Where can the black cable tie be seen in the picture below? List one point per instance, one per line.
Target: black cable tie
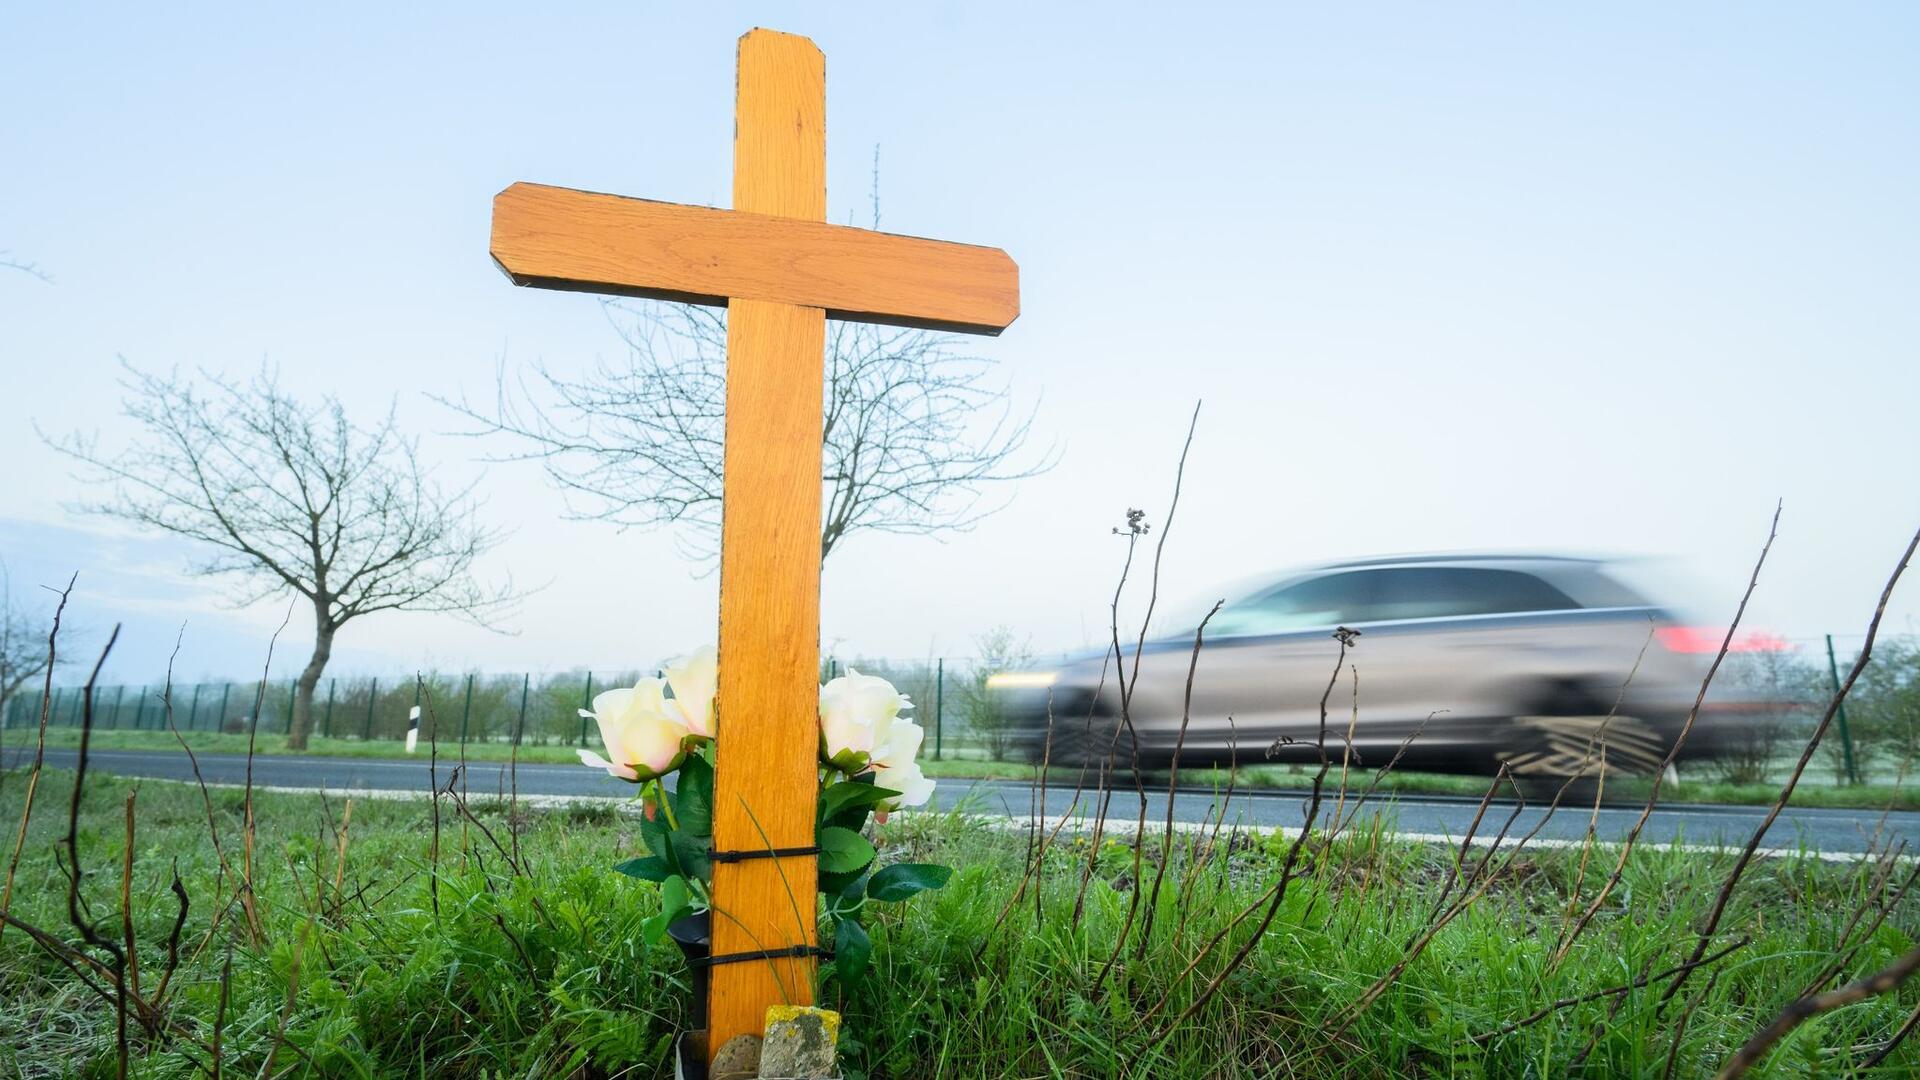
(762, 954)
(762, 853)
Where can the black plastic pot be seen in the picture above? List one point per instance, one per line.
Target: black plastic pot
(694, 935)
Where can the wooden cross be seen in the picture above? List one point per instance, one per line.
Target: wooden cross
(781, 272)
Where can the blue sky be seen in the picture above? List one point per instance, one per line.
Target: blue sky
(1507, 276)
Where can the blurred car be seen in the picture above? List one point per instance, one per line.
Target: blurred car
(1463, 662)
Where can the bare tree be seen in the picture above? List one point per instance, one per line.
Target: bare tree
(23, 644)
(997, 650)
(913, 433)
(292, 497)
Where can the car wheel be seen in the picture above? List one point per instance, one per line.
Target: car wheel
(1569, 739)
(1080, 745)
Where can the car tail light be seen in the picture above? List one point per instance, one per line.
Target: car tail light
(1707, 639)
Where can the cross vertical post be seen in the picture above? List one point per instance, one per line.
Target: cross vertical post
(765, 771)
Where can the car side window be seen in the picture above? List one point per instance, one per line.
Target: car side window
(1433, 592)
(1329, 600)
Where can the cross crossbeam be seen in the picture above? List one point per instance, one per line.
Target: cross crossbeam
(558, 238)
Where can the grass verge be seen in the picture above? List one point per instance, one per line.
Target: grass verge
(378, 957)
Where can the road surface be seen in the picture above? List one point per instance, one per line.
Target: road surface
(1831, 831)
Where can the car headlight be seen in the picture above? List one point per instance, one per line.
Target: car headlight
(1021, 680)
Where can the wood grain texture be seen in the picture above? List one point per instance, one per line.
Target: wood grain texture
(559, 238)
(766, 777)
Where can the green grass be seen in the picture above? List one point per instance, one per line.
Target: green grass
(545, 974)
(1623, 789)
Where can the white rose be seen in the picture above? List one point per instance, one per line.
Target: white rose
(642, 734)
(856, 717)
(694, 679)
(895, 767)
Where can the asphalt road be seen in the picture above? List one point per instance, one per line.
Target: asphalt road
(1831, 831)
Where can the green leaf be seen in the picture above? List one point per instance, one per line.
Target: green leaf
(693, 797)
(832, 884)
(659, 839)
(648, 868)
(675, 898)
(845, 892)
(843, 850)
(851, 948)
(901, 880)
(848, 794)
(691, 856)
(653, 928)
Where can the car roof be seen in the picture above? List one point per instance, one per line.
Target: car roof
(1442, 558)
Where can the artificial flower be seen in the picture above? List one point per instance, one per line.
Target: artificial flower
(856, 717)
(895, 767)
(694, 679)
(644, 737)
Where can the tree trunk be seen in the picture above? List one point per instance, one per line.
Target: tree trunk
(302, 724)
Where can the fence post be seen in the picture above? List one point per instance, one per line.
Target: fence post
(939, 702)
(1846, 736)
(220, 722)
(193, 710)
(373, 693)
(466, 711)
(326, 725)
(140, 711)
(293, 694)
(520, 727)
(586, 702)
(118, 693)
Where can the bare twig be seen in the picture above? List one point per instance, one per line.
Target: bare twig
(39, 754)
(1132, 680)
(1612, 991)
(1173, 779)
(340, 855)
(1876, 900)
(1277, 893)
(1136, 526)
(1732, 881)
(433, 786)
(1883, 981)
(1653, 797)
(255, 925)
(1893, 1043)
(220, 1011)
(1680, 1028)
(76, 872)
(179, 890)
(126, 897)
